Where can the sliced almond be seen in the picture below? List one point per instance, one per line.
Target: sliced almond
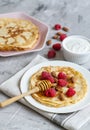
(55, 37)
(53, 73)
(49, 42)
(62, 97)
(59, 33)
(65, 29)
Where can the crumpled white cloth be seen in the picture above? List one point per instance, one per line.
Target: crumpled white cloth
(72, 121)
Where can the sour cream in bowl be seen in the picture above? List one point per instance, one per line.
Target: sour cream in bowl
(76, 49)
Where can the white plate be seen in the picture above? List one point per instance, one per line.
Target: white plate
(81, 104)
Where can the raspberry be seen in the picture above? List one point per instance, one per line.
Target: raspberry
(51, 54)
(57, 26)
(51, 79)
(62, 75)
(70, 92)
(62, 82)
(47, 76)
(57, 46)
(51, 92)
(63, 36)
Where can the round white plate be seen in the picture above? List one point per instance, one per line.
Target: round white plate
(81, 104)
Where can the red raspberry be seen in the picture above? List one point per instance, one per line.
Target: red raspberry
(51, 92)
(62, 82)
(57, 26)
(63, 36)
(57, 46)
(51, 79)
(47, 76)
(70, 92)
(51, 54)
(62, 75)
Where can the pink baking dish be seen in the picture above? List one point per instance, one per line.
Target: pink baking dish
(43, 30)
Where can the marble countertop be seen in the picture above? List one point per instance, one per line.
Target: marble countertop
(70, 13)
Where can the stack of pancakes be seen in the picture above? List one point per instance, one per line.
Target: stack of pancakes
(17, 34)
(75, 79)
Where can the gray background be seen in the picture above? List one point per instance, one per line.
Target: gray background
(74, 14)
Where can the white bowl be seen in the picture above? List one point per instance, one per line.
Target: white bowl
(80, 55)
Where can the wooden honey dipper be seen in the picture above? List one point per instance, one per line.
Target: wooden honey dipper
(41, 86)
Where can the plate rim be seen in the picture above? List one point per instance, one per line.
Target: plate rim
(55, 109)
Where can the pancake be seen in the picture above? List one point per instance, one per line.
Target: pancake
(17, 34)
(74, 80)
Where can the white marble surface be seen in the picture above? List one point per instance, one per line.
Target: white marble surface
(72, 13)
